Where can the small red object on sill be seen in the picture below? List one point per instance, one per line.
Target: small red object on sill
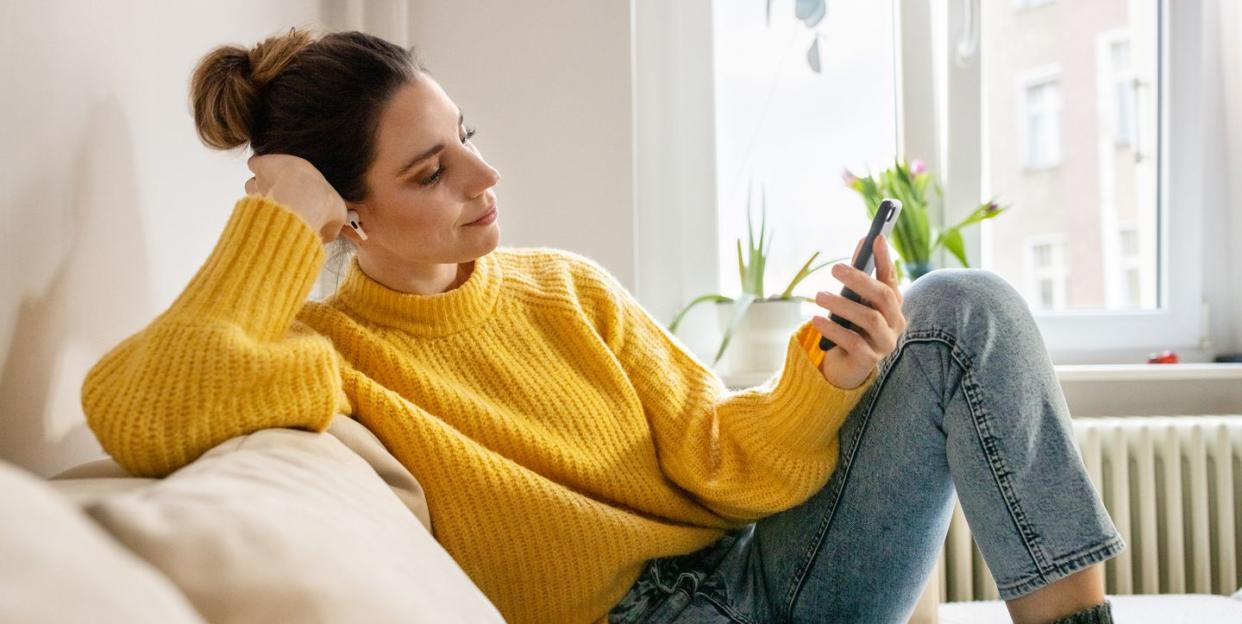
(1164, 357)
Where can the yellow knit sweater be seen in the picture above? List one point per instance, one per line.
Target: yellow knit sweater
(562, 435)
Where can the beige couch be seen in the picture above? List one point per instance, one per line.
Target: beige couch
(279, 525)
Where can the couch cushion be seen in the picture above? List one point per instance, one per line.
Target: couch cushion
(57, 566)
(289, 525)
(368, 446)
(86, 483)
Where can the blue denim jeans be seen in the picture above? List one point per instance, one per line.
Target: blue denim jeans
(967, 403)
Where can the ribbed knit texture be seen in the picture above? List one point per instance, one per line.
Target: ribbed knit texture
(562, 435)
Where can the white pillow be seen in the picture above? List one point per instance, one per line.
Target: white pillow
(57, 566)
(292, 526)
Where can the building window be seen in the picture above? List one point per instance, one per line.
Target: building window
(1046, 273)
(1124, 85)
(1131, 266)
(1043, 124)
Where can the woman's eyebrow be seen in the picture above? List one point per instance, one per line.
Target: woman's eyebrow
(429, 153)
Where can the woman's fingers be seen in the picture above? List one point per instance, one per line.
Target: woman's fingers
(885, 270)
(877, 294)
(875, 327)
(866, 317)
(850, 341)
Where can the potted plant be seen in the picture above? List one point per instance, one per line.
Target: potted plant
(761, 324)
(913, 236)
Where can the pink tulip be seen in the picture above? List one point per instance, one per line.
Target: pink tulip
(849, 178)
(917, 166)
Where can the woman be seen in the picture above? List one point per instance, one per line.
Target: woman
(579, 464)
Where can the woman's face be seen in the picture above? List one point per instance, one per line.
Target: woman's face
(427, 184)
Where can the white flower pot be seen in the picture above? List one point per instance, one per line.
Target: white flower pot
(758, 346)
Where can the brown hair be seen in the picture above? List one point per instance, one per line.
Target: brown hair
(316, 97)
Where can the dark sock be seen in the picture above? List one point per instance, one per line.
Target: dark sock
(1099, 614)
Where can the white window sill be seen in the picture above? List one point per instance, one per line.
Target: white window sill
(1130, 389)
(1147, 372)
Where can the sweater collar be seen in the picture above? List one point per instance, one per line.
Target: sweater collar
(425, 315)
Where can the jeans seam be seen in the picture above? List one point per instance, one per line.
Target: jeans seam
(981, 418)
(1065, 565)
(727, 610)
(785, 612)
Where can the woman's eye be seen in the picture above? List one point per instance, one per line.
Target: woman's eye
(433, 178)
(439, 173)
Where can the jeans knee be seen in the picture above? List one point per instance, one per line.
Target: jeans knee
(951, 298)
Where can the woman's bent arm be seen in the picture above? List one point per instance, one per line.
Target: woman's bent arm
(227, 357)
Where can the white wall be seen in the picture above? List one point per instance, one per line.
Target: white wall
(108, 202)
(548, 85)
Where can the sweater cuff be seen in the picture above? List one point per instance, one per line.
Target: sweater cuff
(810, 409)
(259, 273)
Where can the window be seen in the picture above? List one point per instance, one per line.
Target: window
(1046, 272)
(793, 130)
(1123, 92)
(1130, 280)
(1082, 131)
(1042, 115)
(986, 89)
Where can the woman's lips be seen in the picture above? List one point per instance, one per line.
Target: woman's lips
(485, 219)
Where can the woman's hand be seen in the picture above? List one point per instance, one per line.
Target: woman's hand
(298, 185)
(857, 351)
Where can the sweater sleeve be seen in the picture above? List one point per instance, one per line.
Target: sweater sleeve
(744, 455)
(227, 357)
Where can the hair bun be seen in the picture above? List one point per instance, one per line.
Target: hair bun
(227, 83)
(272, 55)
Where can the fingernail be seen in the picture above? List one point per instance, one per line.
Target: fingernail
(838, 270)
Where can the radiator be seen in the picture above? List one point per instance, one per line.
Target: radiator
(1173, 486)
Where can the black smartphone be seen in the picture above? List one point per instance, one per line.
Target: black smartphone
(882, 223)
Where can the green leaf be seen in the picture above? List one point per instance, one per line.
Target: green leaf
(952, 240)
(804, 272)
(672, 327)
(982, 213)
(741, 264)
(750, 231)
(740, 306)
(763, 216)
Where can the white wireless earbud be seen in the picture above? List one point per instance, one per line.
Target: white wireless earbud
(356, 223)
